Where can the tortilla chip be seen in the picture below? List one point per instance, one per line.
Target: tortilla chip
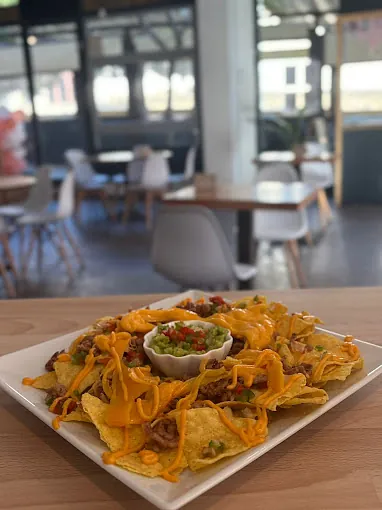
(271, 403)
(66, 373)
(308, 395)
(276, 310)
(78, 415)
(300, 327)
(133, 463)
(204, 425)
(112, 436)
(45, 381)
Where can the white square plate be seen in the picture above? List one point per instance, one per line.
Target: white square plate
(30, 362)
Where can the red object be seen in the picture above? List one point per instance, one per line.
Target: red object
(218, 300)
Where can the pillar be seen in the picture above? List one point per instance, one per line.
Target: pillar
(226, 50)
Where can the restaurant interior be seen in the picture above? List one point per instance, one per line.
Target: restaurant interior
(148, 146)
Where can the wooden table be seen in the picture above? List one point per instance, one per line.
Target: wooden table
(292, 158)
(118, 157)
(244, 200)
(13, 186)
(334, 463)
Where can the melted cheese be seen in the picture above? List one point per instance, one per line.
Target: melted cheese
(64, 357)
(166, 474)
(28, 381)
(149, 457)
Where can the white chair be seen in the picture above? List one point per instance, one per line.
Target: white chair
(154, 182)
(39, 198)
(88, 182)
(189, 247)
(189, 167)
(7, 261)
(319, 174)
(284, 226)
(52, 227)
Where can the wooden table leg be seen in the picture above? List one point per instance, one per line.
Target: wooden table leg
(246, 245)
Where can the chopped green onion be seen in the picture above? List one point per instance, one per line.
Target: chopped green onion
(218, 446)
(49, 401)
(245, 396)
(79, 358)
(319, 348)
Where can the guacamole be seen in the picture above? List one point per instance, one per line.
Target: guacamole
(180, 339)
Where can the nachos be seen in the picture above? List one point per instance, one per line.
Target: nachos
(158, 426)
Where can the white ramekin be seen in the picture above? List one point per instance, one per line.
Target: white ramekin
(188, 365)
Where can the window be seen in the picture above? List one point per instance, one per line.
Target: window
(361, 87)
(326, 87)
(156, 88)
(14, 94)
(183, 86)
(55, 94)
(111, 91)
(283, 84)
(55, 58)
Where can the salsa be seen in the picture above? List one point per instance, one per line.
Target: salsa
(180, 339)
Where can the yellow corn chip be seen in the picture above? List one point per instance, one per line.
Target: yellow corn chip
(133, 463)
(45, 381)
(78, 415)
(204, 425)
(307, 395)
(66, 373)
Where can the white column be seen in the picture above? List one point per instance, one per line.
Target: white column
(227, 88)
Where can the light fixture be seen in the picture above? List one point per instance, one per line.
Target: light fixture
(309, 18)
(269, 21)
(320, 30)
(284, 45)
(330, 18)
(31, 40)
(102, 13)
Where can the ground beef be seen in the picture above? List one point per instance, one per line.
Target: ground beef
(98, 392)
(198, 404)
(296, 346)
(86, 344)
(206, 309)
(49, 364)
(214, 364)
(163, 436)
(303, 368)
(135, 356)
(260, 381)
(237, 346)
(216, 392)
(58, 390)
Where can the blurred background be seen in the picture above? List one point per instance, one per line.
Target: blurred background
(124, 124)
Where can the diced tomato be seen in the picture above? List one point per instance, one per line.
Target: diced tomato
(181, 337)
(217, 300)
(104, 361)
(239, 389)
(187, 331)
(200, 347)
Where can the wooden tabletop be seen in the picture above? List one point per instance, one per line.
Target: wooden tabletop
(114, 157)
(14, 182)
(265, 195)
(334, 463)
(291, 157)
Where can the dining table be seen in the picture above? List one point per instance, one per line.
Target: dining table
(121, 157)
(15, 187)
(333, 463)
(244, 200)
(294, 159)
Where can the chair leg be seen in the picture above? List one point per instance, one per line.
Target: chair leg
(9, 255)
(11, 291)
(324, 207)
(291, 267)
(295, 253)
(309, 239)
(29, 253)
(63, 253)
(80, 195)
(149, 201)
(21, 246)
(40, 249)
(130, 201)
(73, 244)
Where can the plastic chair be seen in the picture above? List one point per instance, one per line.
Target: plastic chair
(7, 261)
(52, 227)
(189, 248)
(154, 182)
(88, 182)
(319, 174)
(284, 226)
(39, 198)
